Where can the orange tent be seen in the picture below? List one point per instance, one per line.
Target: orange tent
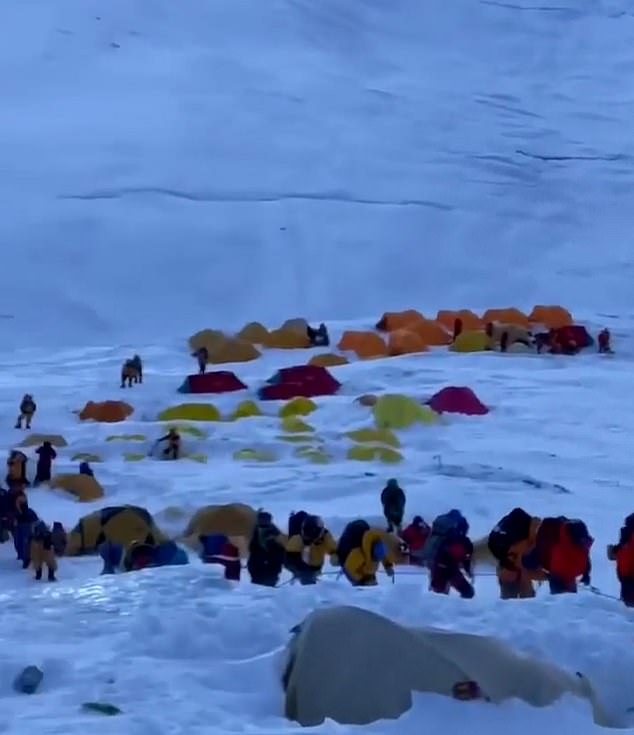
(471, 322)
(552, 317)
(392, 321)
(328, 359)
(509, 315)
(404, 342)
(108, 412)
(365, 345)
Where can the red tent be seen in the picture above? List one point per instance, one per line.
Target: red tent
(220, 381)
(457, 399)
(307, 381)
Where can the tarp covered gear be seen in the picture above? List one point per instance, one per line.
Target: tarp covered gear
(234, 520)
(365, 345)
(83, 486)
(575, 334)
(380, 664)
(217, 548)
(308, 381)
(191, 412)
(401, 412)
(120, 524)
(328, 359)
(509, 315)
(470, 320)
(34, 440)
(219, 381)
(471, 341)
(373, 453)
(108, 412)
(552, 317)
(457, 399)
(286, 339)
(405, 342)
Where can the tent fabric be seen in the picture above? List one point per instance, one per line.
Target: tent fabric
(306, 381)
(234, 520)
(457, 399)
(84, 487)
(245, 410)
(471, 341)
(470, 320)
(508, 315)
(107, 412)
(328, 359)
(551, 317)
(392, 321)
(286, 339)
(298, 407)
(254, 332)
(367, 399)
(191, 412)
(430, 331)
(118, 524)
(371, 435)
(401, 412)
(404, 342)
(409, 660)
(365, 345)
(576, 333)
(232, 349)
(295, 324)
(34, 440)
(219, 381)
(208, 339)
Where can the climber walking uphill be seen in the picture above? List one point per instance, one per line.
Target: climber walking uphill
(415, 536)
(202, 358)
(46, 454)
(393, 502)
(42, 551)
(512, 538)
(308, 545)
(28, 407)
(173, 449)
(623, 554)
(16, 470)
(561, 553)
(266, 551)
(448, 554)
(360, 551)
(132, 372)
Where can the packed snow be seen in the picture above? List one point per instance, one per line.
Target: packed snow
(174, 166)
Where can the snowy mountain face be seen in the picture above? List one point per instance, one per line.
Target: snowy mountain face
(166, 167)
(226, 161)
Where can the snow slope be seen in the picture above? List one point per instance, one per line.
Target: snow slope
(223, 157)
(168, 167)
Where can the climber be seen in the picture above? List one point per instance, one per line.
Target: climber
(86, 469)
(512, 538)
(603, 341)
(217, 548)
(306, 551)
(28, 407)
(360, 551)
(202, 357)
(266, 551)
(129, 373)
(393, 502)
(24, 518)
(16, 470)
(623, 554)
(415, 536)
(46, 455)
(42, 551)
(137, 363)
(318, 337)
(448, 554)
(561, 553)
(173, 449)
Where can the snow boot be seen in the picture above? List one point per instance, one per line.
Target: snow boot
(38, 575)
(51, 576)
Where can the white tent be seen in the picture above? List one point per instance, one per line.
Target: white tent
(355, 667)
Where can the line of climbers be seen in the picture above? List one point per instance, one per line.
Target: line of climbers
(527, 549)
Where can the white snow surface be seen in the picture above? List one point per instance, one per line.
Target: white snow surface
(173, 166)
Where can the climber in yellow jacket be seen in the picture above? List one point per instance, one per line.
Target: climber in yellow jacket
(306, 551)
(361, 563)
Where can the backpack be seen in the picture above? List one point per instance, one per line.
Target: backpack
(350, 539)
(295, 522)
(578, 533)
(447, 525)
(511, 529)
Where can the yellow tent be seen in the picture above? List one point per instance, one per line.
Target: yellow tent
(245, 410)
(474, 341)
(254, 455)
(370, 453)
(126, 438)
(328, 359)
(85, 488)
(313, 455)
(86, 457)
(375, 436)
(191, 412)
(234, 520)
(298, 407)
(34, 440)
(401, 412)
(294, 425)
